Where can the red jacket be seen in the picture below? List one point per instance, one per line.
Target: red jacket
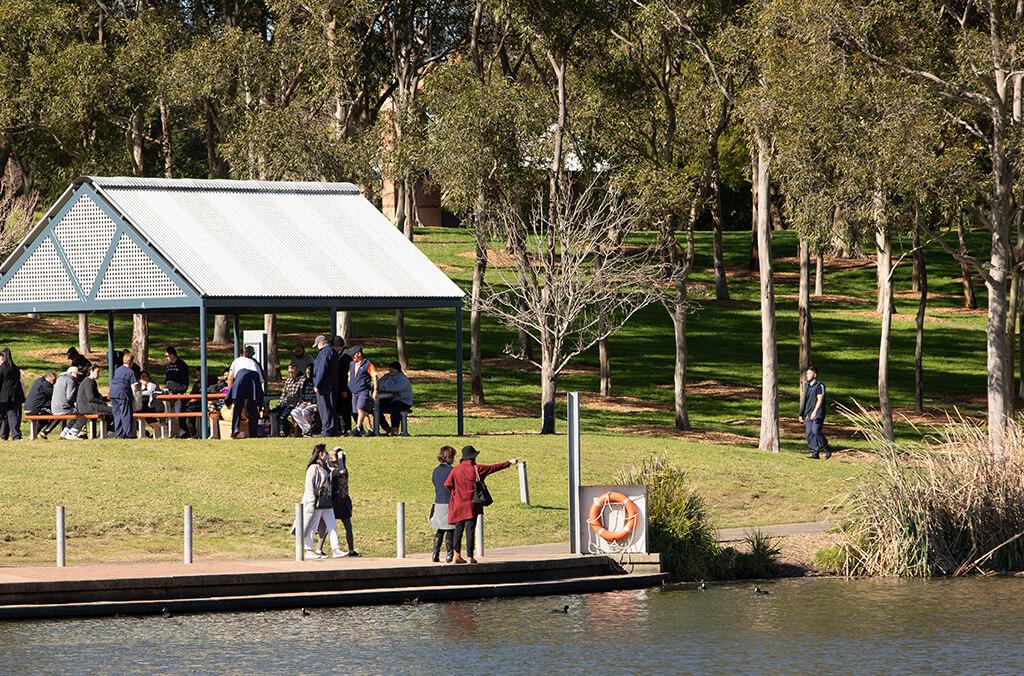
(460, 482)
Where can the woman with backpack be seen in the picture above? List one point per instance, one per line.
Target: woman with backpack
(469, 497)
(317, 505)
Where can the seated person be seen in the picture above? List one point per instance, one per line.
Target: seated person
(65, 393)
(291, 395)
(304, 413)
(395, 392)
(147, 392)
(40, 394)
(89, 400)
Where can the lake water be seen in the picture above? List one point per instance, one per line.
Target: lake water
(804, 626)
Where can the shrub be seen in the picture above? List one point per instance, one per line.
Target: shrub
(830, 560)
(678, 525)
(941, 508)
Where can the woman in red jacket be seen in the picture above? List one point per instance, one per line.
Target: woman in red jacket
(462, 511)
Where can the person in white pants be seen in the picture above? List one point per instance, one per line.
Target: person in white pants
(317, 505)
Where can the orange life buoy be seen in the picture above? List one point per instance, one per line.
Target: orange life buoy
(632, 514)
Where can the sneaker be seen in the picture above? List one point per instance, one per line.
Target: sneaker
(811, 456)
(339, 553)
(472, 560)
(310, 554)
(41, 435)
(353, 553)
(828, 454)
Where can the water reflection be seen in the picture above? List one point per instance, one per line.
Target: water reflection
(803, 626)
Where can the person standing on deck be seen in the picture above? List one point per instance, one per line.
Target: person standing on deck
(325, 384)
(123, 386)
(812, 414)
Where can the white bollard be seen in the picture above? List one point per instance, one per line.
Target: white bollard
(300, 531)
(60, 536)
(400, 529)
(524, 486)
(479, 548)
(187, 558)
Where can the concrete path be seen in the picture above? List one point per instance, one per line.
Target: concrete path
(779, 530)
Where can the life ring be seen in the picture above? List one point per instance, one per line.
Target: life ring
(632, 515)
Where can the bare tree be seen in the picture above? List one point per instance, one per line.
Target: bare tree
(553, 293)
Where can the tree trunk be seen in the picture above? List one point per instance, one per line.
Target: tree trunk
(83, 333)
(922, 288)
(1020, 343)
(605, 367)
(804, 305)
(691, 245)
(1011, 337)
(548, 382)
(885, 281)
(769, 436)
(1000, 261)
(678, 313)
(165, 137)
(273, 365)
(715, 185)
(403, 358)
(970, 300)
(819, 274)
(140, 340)
(344, 323)
(220, 330)
(479, 270)
(915, 281)
(754, 261)
(135, 138)
(775, 209)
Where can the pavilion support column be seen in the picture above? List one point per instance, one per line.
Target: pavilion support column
(458, 369)
(334, 322)
(236, 331)
(110, 344)
(204, 419)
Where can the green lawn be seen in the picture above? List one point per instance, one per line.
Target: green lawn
(124, 498)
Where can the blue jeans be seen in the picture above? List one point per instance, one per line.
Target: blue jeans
(816, 440)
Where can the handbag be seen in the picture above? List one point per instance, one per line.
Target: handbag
(323, 497)
(481, 496)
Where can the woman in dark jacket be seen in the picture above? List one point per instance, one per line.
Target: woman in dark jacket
(462, 511)
(443, 530)
(12, 396)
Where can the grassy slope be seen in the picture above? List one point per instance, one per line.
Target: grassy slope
(124, 498)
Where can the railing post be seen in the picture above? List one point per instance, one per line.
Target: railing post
(479, 548)
(524, 486)
(400, 530)
(61, 543)
(300, 531)
(188, 534)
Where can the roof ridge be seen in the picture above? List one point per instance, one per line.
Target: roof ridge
(219, 184)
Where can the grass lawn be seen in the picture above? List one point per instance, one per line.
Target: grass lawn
(124, 498)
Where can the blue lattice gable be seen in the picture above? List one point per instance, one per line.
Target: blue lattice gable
(88, 258)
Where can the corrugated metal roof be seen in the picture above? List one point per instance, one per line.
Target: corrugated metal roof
(270, 239)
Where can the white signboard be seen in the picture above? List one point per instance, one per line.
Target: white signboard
(613, 519)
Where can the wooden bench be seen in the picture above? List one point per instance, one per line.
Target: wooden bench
(141, 417)
(34, 419)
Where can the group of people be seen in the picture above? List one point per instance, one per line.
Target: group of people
(458, 501)
(75, 392)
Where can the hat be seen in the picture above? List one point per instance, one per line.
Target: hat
(319, 339)
(354, 349)
(468, 452)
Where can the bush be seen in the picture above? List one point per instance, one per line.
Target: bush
(943, 508)
(678, 526)
(830, 560)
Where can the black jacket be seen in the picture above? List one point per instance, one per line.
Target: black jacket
(176, 376)
(89, 399)
(11, 391)
(39, 396)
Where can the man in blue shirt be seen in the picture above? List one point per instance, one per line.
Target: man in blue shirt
(122, 396)
(325, 384)
(812, 414)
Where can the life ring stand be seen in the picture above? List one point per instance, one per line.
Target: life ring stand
(597, 510)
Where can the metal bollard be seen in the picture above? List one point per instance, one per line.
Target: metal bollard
(400, 529)
(300, 531)
(188, 534)
(479, 535)
(60, 536)
(524, 486)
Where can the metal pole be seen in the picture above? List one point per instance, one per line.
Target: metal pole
(573, 415)
(110, 345)
(479, 535)
(236, 332)
(188, 534)
(334, 322)
(400, 529)
(300, 533)
(204, 408)
(60, 536)
(458, 368)
(524, 486)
